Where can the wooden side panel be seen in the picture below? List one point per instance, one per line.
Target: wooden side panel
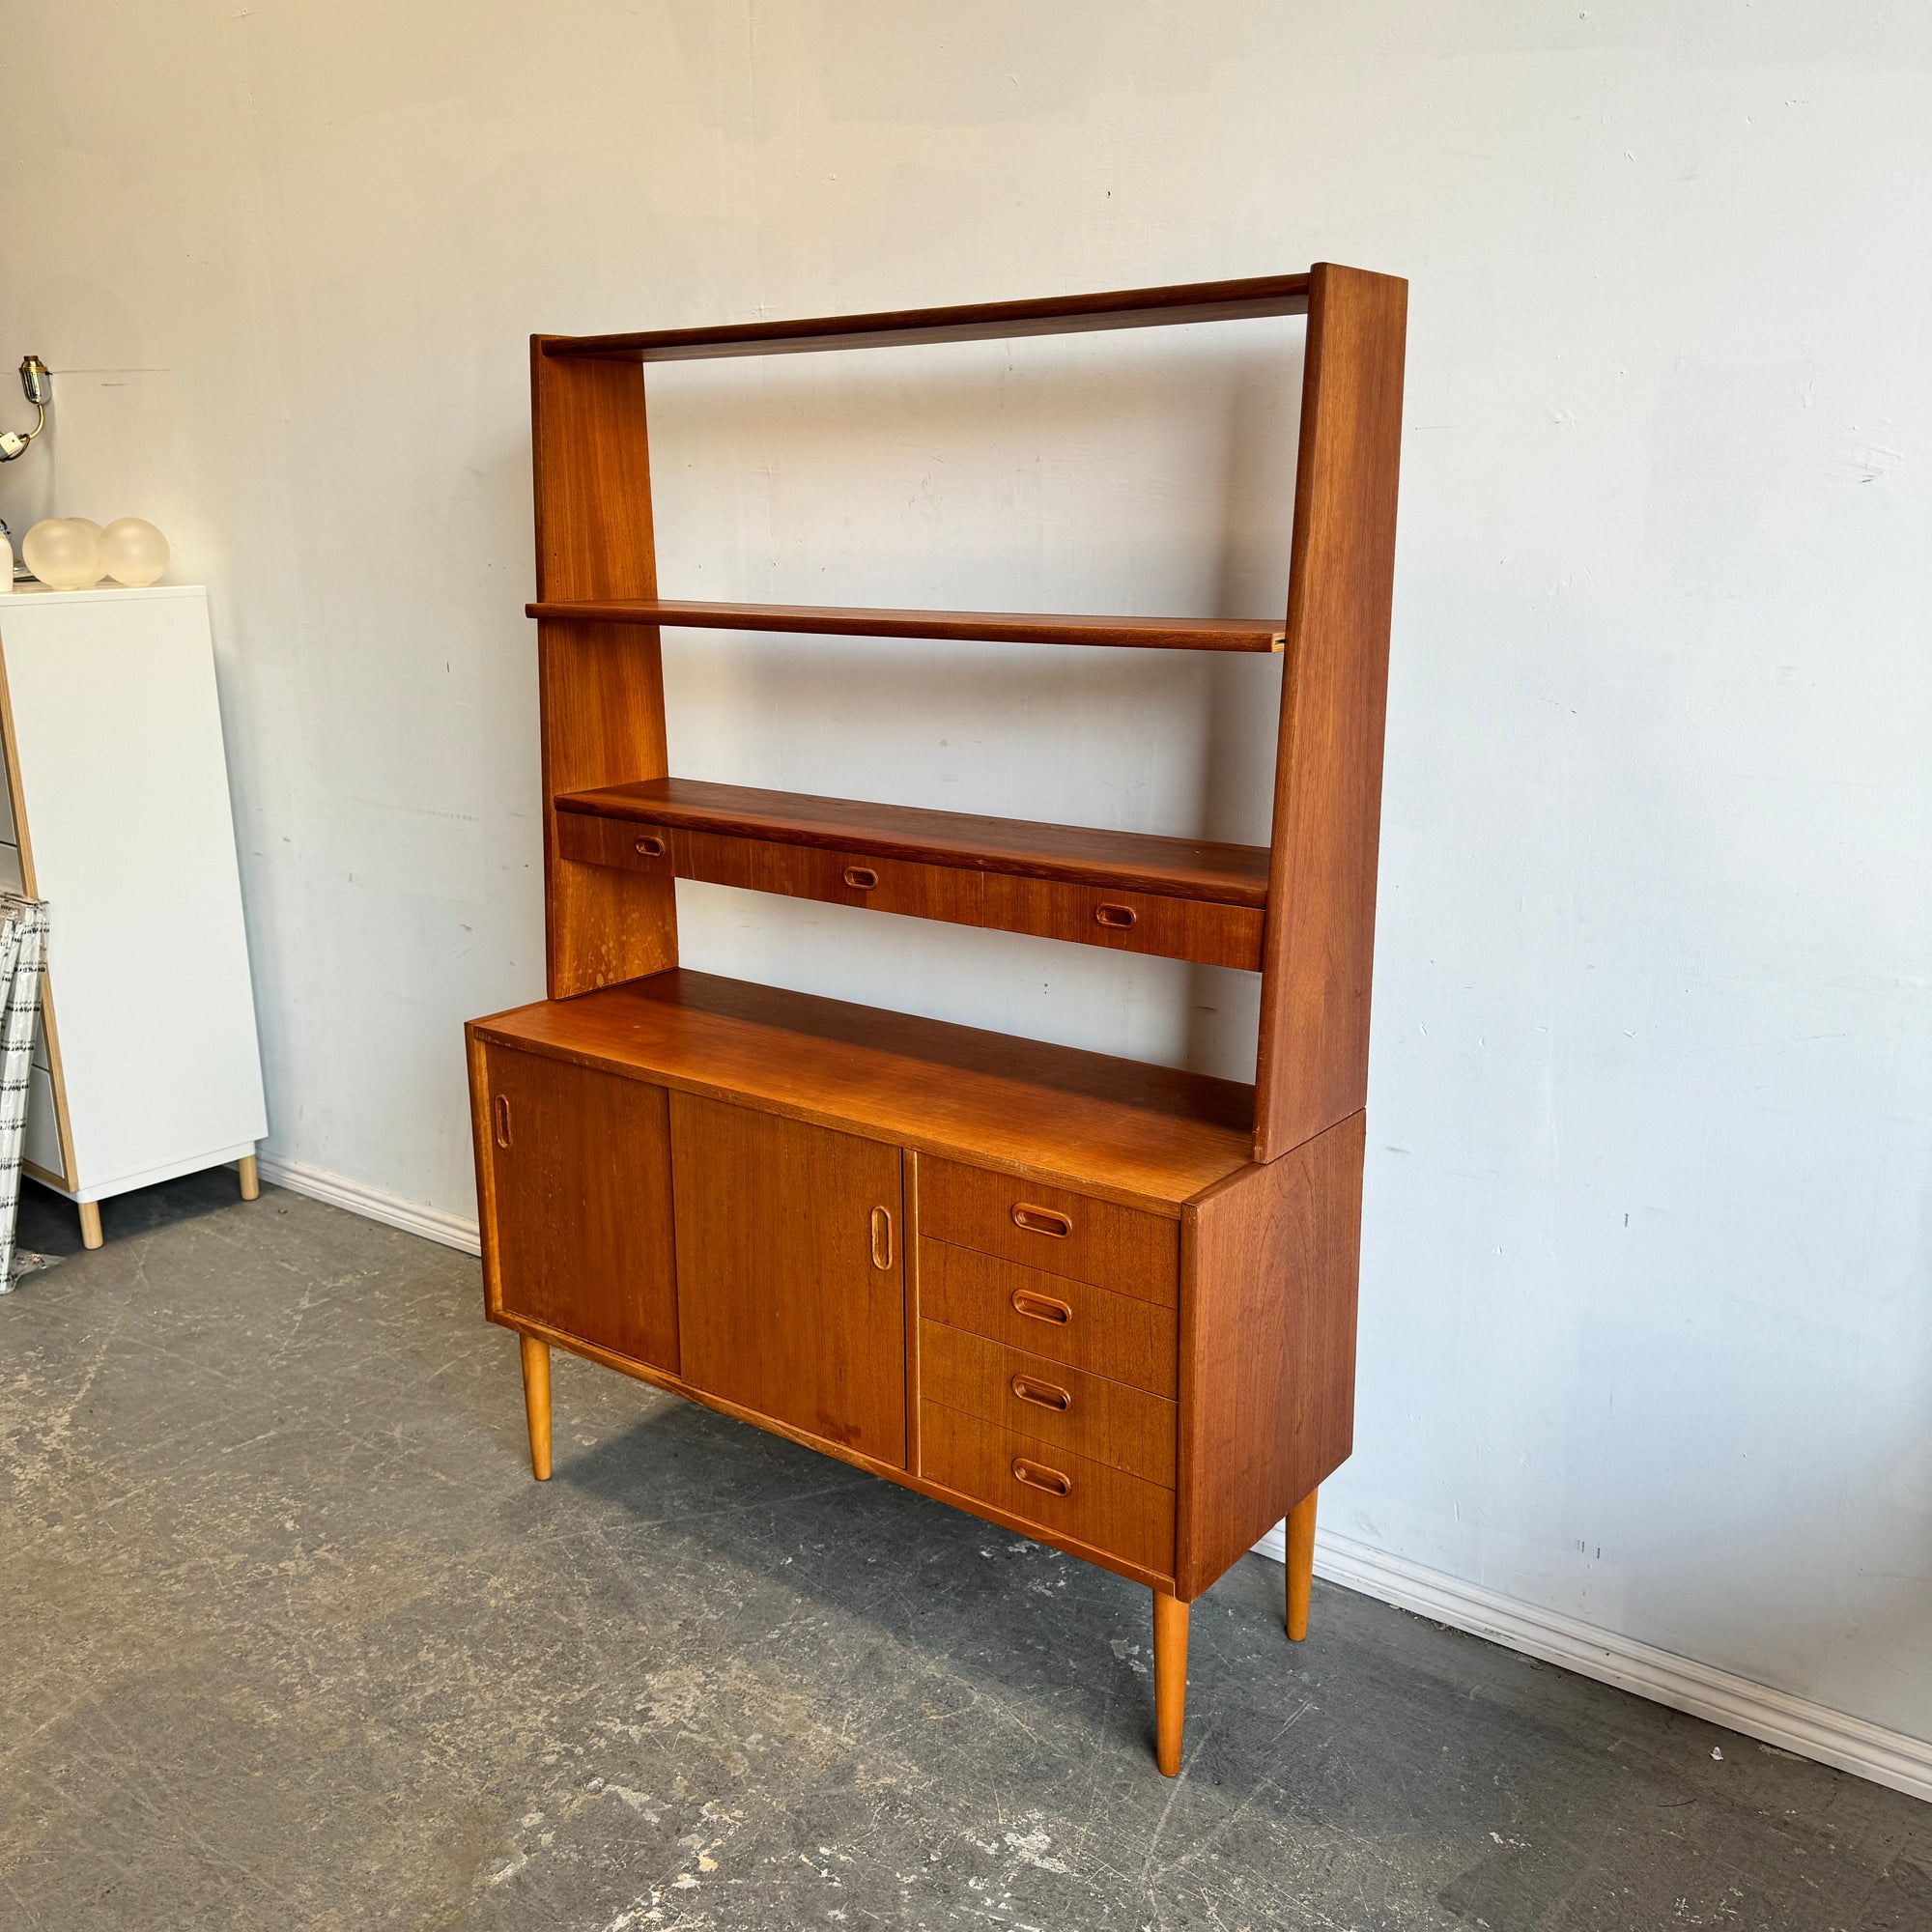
(790, 1251)
(601, 685)
(573, 1171)
(1268, 1346)
(1318, 944)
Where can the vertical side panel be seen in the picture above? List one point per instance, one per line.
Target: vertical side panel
(477, 1055)
(602, 685)
(1269, 1263)
(1318, 945)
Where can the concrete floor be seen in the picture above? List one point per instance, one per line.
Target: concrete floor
(289, 1638)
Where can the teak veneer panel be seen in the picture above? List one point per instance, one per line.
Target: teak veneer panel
(996, 626)
(1268, 1346)
(974, 322)
(1122, 921)
(1051, 1228)
(1195, 868)
(1120, 1130)
(601, 686)
(788, 1302)
(1312, 1059)
(574, 1240)
(1103, 1506)
(1104, 1421)
(1117, 1336)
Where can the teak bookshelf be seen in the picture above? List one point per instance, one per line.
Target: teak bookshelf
(1109, 1305)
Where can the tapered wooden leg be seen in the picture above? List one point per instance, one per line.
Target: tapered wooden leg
(1170, 1680)
(1301, 1563)
(251, 1181)
(90, 1224)
(536, 1402)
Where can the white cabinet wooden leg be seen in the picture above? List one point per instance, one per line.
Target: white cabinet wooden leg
(251, 1181)
(90, 1224)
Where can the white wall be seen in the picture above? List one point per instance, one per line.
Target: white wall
(1645, 1280)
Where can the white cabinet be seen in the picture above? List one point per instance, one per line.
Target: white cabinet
(117, 785)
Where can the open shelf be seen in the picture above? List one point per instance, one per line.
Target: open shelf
(1058, 315)
(1185, 868)
(1007, 627)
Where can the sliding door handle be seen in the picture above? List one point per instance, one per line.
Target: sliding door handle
(882, 1239)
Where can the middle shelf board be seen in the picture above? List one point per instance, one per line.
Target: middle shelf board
(1176, 899)
(998, 627)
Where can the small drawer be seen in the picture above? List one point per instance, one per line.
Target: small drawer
(1103, 1421)
(614, 842)
(1049, 1228)
(1070, 1322)
(1042, 1483)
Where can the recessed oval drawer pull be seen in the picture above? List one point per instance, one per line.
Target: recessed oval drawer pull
(1043, 1220)
(501, 1110)
(860, 878)
(882, 1239)
(1042, 1395)
(1118, 917)
(1041, 1307)
(1037, 1476)
(651, 846)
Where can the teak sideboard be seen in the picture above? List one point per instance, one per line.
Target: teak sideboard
(1109, 1305)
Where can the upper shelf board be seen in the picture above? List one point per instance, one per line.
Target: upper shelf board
(976, 321)
(1187, 868)
(1177, 634)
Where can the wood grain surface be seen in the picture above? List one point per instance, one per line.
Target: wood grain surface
(1104, 1421)
(1268, 1346)
(600, 686)
(999, 626)
(783, 1305)
(1319, 949)
(1080, 854)
(579, 1202)
(1120, 918)
(1103, 1506)
(1107, 1334)
(1118, 1131)
(1113, 1247)
(1052, 315)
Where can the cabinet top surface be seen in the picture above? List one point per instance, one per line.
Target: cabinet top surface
(1147, 1136)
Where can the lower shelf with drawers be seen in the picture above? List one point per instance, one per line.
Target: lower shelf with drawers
(1045, 1286)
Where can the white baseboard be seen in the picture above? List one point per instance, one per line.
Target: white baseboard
(451, 1231)
(1775, 1716)
(1793, 1724)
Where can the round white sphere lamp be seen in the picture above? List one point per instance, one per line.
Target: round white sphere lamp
(63, 554)
(133, 551)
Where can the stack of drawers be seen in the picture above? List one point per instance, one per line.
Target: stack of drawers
(1048, 1359)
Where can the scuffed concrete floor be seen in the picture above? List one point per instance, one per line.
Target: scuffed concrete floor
(289, 1638)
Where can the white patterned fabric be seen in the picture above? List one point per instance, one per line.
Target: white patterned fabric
(23, 950)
